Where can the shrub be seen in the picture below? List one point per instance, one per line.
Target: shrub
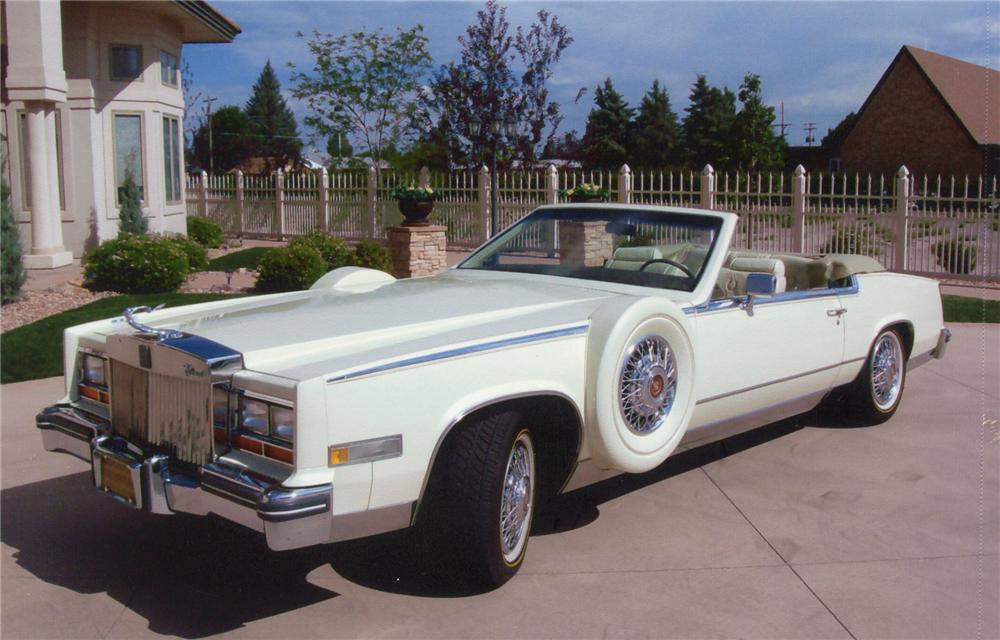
(11, 270)
(372, 255)
(204, 231)
(846, 241)
(956, 256)
(290, 269)
(130, 219)
(196, 254)
(333, 250)
(136, 264)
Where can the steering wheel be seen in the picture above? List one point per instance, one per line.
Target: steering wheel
(672, 263)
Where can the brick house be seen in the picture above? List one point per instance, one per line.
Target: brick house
(930, 112)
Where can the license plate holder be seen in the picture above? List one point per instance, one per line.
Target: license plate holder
(118, 479)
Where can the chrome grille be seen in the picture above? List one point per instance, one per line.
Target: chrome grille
(166, 411)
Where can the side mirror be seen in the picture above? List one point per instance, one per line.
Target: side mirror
(758, 284)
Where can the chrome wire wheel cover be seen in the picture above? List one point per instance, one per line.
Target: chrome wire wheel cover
(887, 371)
(647, 385)
(516, 502)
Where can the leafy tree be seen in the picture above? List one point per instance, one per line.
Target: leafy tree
(706, 127)
(130, 218)
(657, 133)
(338, 146)
(503, 75)
(568, 147)
(276, 135)
(434, 149)
(365, 84)
(755, 144)
(232, 140)
(11, 270)
(606, 142)
(835, 137)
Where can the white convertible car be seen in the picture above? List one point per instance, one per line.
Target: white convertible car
(582, 341)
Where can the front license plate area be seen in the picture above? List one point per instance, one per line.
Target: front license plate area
(116, 479)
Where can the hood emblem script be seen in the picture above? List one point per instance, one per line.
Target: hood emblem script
(161, 334)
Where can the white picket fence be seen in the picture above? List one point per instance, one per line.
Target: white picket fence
(943, 227)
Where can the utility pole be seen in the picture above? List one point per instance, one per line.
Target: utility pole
(810, 127)
(783, 125)
(208, 117)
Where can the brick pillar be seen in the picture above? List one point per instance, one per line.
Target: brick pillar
(584, 243)
(418, 251)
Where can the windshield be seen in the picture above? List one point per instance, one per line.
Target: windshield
(627, 246)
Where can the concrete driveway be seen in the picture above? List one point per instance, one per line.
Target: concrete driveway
(802, 529)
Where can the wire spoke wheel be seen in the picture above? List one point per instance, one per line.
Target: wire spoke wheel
(886, 371)
(517, 499)
(648, 384)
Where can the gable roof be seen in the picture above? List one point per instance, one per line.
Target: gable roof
(970, 91)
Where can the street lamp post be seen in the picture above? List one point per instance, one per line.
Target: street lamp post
(499, 129)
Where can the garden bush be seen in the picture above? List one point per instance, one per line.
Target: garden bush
(204, 231)
(372, 255)
(333, 250)
(290, 269)
(11, 271)
(196, 254)
(136, 264)
(130, 218)
(956, 256)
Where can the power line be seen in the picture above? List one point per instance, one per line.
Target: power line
(810, 127)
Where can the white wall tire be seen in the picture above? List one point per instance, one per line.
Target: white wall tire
(616, 329)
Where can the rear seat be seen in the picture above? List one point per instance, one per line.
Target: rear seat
(800, 272)
(732, 280)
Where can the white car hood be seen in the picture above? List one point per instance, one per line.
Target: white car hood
(319, 333)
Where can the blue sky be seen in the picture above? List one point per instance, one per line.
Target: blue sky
(820, 58)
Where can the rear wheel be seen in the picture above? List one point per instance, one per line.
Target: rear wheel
(489, 496)
(875, 395)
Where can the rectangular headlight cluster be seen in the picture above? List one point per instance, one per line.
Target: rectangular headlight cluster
(260, 426)
(94, 378)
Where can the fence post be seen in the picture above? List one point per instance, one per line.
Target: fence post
(625, 184)
(708, 187)
(799, 210)
(424, 177)
(902, 224)
(551, 185)
(204, 194)
(372, 200)
(279, 201)
(324, 201)
(240, 197)
(484, 203)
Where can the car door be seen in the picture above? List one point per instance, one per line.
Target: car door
(754, 366)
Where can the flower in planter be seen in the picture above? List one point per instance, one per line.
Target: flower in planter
(586, 190)
(411, 193)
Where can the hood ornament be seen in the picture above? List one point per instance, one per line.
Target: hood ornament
(161, 334)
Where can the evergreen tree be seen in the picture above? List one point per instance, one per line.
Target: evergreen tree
(835, 137)
(756, 146)
(657, 133)
(232, 140)
(11, 271)
(606, 142)
(272, 122)
(707, 125)
(130, 218)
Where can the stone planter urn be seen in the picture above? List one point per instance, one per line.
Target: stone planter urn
(583, 198)
(416, 211)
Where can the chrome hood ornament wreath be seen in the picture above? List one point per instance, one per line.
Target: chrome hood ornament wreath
(161, 334)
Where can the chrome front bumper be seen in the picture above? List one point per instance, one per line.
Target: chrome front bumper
(290, 517)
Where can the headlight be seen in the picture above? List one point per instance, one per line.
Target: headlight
(282, 423)
(94, 370)
(254, 416)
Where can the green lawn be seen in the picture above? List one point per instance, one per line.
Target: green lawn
(243, 259)
(35, 350)
(961, 309)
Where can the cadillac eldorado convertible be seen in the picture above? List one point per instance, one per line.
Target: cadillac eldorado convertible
(585, 340)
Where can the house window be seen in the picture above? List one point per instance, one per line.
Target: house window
(172, 158)
(169, 70)
(126, 62)
(26, 166)
(128, 151)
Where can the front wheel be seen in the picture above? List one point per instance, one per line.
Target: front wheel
(490, 493)
(876, 393)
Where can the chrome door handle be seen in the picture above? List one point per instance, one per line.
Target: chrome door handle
(835, 313)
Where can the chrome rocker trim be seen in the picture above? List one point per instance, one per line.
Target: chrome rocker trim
(290, 517)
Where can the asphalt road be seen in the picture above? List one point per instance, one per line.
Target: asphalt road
(803, 529)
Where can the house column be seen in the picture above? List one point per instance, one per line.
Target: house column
(47, 250)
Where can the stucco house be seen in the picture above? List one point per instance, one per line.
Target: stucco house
(90, 91)
(933, 113)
